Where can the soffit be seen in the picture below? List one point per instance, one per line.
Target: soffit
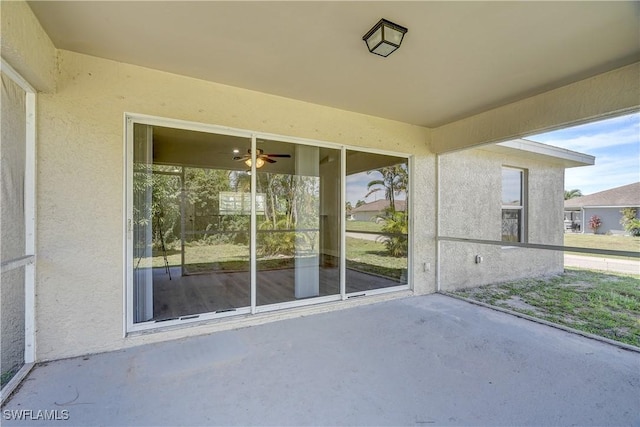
(537, 151)
(458, 58)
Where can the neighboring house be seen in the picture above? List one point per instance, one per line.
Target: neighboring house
(607, 205)
(374, 211)
(120, 145)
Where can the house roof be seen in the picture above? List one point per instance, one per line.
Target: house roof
(457, 60)
(627, 195)
(379, 206)
(542, 152)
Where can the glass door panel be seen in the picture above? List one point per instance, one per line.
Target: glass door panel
(191, 224)
(377, 221)
(298, 225)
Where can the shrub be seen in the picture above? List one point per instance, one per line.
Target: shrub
(396, 223)
(629, 221)
(594, 223)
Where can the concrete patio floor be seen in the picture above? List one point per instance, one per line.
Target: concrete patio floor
(429, 360)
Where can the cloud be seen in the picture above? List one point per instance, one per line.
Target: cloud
(614, 142)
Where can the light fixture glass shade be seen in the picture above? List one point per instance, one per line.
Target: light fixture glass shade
(384, 38)
(259, 162)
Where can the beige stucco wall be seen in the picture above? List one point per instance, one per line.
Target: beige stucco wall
(81, 184)
(26, 46)
(470, 200)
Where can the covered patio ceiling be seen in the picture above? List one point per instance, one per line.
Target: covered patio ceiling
(458, 58)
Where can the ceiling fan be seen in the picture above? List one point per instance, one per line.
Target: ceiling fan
(261, 158)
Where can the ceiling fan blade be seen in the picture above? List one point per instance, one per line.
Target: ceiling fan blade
(278, 155)
(266, 159)
(239, 159)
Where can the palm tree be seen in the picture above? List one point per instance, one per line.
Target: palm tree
(394, 182)
(570, 194)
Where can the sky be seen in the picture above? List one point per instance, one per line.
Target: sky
(357, 188)
(615, 143)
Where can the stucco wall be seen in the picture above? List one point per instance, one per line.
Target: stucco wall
(470, 197)
(26, 46)
(81, 183)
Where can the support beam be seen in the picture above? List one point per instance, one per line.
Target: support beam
(609, 94)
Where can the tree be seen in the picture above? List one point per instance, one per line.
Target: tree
(360, 203)
(348, 207)
(630, 222)
(571, 194)
(394, 182)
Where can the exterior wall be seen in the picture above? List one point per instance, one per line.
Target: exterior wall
(610, 218)
(26, 46)
(80, 281)
(470, 206)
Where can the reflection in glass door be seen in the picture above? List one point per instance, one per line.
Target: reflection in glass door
(191, 224)
(208, 239)
(377, 228)
(298, 230)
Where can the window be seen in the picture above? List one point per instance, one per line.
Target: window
(513, 210)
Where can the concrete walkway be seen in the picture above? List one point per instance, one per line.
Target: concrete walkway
(429, 360)
(615, 265)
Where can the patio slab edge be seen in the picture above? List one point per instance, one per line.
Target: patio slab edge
(15, 382)
(618, 344)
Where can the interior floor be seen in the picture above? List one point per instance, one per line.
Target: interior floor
(206, 293)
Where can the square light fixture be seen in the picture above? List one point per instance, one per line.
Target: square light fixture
(384, 38)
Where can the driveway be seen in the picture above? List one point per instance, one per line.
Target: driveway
(428, 360)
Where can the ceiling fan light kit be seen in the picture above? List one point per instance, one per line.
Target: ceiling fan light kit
(261, 158)
(259, 162)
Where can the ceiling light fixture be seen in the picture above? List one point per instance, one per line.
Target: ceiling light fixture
(384, 38)
(259, 162)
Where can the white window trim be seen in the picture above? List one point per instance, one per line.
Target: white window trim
(130, 328)
(524, 185)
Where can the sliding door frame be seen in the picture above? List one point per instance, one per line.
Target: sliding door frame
(132, 118)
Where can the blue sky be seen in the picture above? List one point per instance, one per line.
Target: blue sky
(614, 142)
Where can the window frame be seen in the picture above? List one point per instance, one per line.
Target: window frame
(522, 207)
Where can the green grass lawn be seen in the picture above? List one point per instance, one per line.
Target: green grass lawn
(602, 241)
(364, 255)
(604, 304)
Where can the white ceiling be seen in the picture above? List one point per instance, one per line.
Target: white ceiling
(458, 58)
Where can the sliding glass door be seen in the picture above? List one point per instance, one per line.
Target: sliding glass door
(225, 222)
(191, 224)
(298, 230)
(377, 229)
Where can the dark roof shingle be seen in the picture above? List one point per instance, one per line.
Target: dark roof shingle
(627, 195)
